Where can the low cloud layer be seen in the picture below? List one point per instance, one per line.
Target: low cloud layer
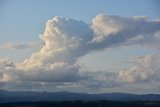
(66, 40)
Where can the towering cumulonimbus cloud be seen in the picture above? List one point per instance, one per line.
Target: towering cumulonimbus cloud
(66, 40)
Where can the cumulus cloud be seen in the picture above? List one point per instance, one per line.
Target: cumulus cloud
(145, 69)
(56, 72)
(66, 40)
(111, 30)
(7, 70)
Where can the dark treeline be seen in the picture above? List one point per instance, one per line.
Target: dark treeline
(101, 103)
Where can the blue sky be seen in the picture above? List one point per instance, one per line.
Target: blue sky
(22, 21)
(26, 19)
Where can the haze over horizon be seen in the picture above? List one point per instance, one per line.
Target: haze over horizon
(80, 46)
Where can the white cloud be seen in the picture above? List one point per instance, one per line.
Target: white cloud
(66, 40)
(7, 70)
(112, 30)
(105, 25)
(56, 72)
(145, 69)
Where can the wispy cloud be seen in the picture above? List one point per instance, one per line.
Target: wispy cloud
(18, 46)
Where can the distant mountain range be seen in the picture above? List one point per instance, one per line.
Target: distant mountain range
(29, 96)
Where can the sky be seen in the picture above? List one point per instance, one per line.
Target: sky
(80, 46)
